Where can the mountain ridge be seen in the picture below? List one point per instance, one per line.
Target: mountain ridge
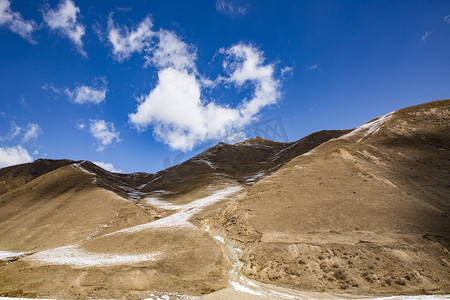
(360, 212)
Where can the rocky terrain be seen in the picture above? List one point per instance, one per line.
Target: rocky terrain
(337, 214)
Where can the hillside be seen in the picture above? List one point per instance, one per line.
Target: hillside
(367, 212)
(358, 212)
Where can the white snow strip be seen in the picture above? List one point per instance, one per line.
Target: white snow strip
(155, 201)
(240, 288)
(80, 168)
(249, 282)
(369, 128)
(142, 186)
(309, 153)
(210, 164)
(7, 255)
(180, 218)
(74, 255)
(220, 239)
(167, 296)
(282, 295)
(255, 177)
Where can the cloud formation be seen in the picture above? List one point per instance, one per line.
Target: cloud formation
(33, 131)
(230, 9)
(447, 19)
(104, 132)
(178, 112)
(13, 132)
(13, 155)
(107, 166)
(126, 41)
(63, 20)
(171, 52)
(85, 94)
(425, 36)
(15, 22)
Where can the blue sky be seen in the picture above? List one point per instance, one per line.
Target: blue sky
(141, 85)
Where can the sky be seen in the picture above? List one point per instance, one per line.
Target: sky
(139, 86)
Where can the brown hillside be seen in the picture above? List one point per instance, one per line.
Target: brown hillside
(367, 213)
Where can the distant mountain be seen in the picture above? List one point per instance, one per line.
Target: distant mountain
(362, 211)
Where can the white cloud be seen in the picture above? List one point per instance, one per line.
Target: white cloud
(85, 94)
(32, 133)
(104, 132)
(447, 19)
(230, 9)
(51, 88)
(13, 132)
(13, 155)
(107, 166)
(80, 125)
(171, 52)
(125, 41)
(287, 70)
(63, 19)
(180, 116)
(15, 22)
(312, 67)
(425, 36)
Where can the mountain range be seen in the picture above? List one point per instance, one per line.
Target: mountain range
(339, 213)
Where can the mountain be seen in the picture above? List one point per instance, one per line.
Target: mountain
(360, 212)
(366, 213)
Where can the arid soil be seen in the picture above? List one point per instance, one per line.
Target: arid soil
(338, 214)
(366, 213)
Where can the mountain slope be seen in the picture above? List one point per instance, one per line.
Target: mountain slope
(78, 219)
(61, 207)
(15, 176)
(366, 213)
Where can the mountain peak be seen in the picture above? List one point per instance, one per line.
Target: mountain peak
(255, 140)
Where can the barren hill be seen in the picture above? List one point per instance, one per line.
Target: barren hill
(367, 212)
(361, 211)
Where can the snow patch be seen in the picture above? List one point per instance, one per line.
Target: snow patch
(77, 166)
(7, 255)
(282, 295)
(368, 128)
(167, 296)
(254, 178)
(210, 164)
(180, 218)
(309, 153)
(74, 255)
(132, 193)
(220, 239)
(241, 288)
(249, 282)
(156, 201)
